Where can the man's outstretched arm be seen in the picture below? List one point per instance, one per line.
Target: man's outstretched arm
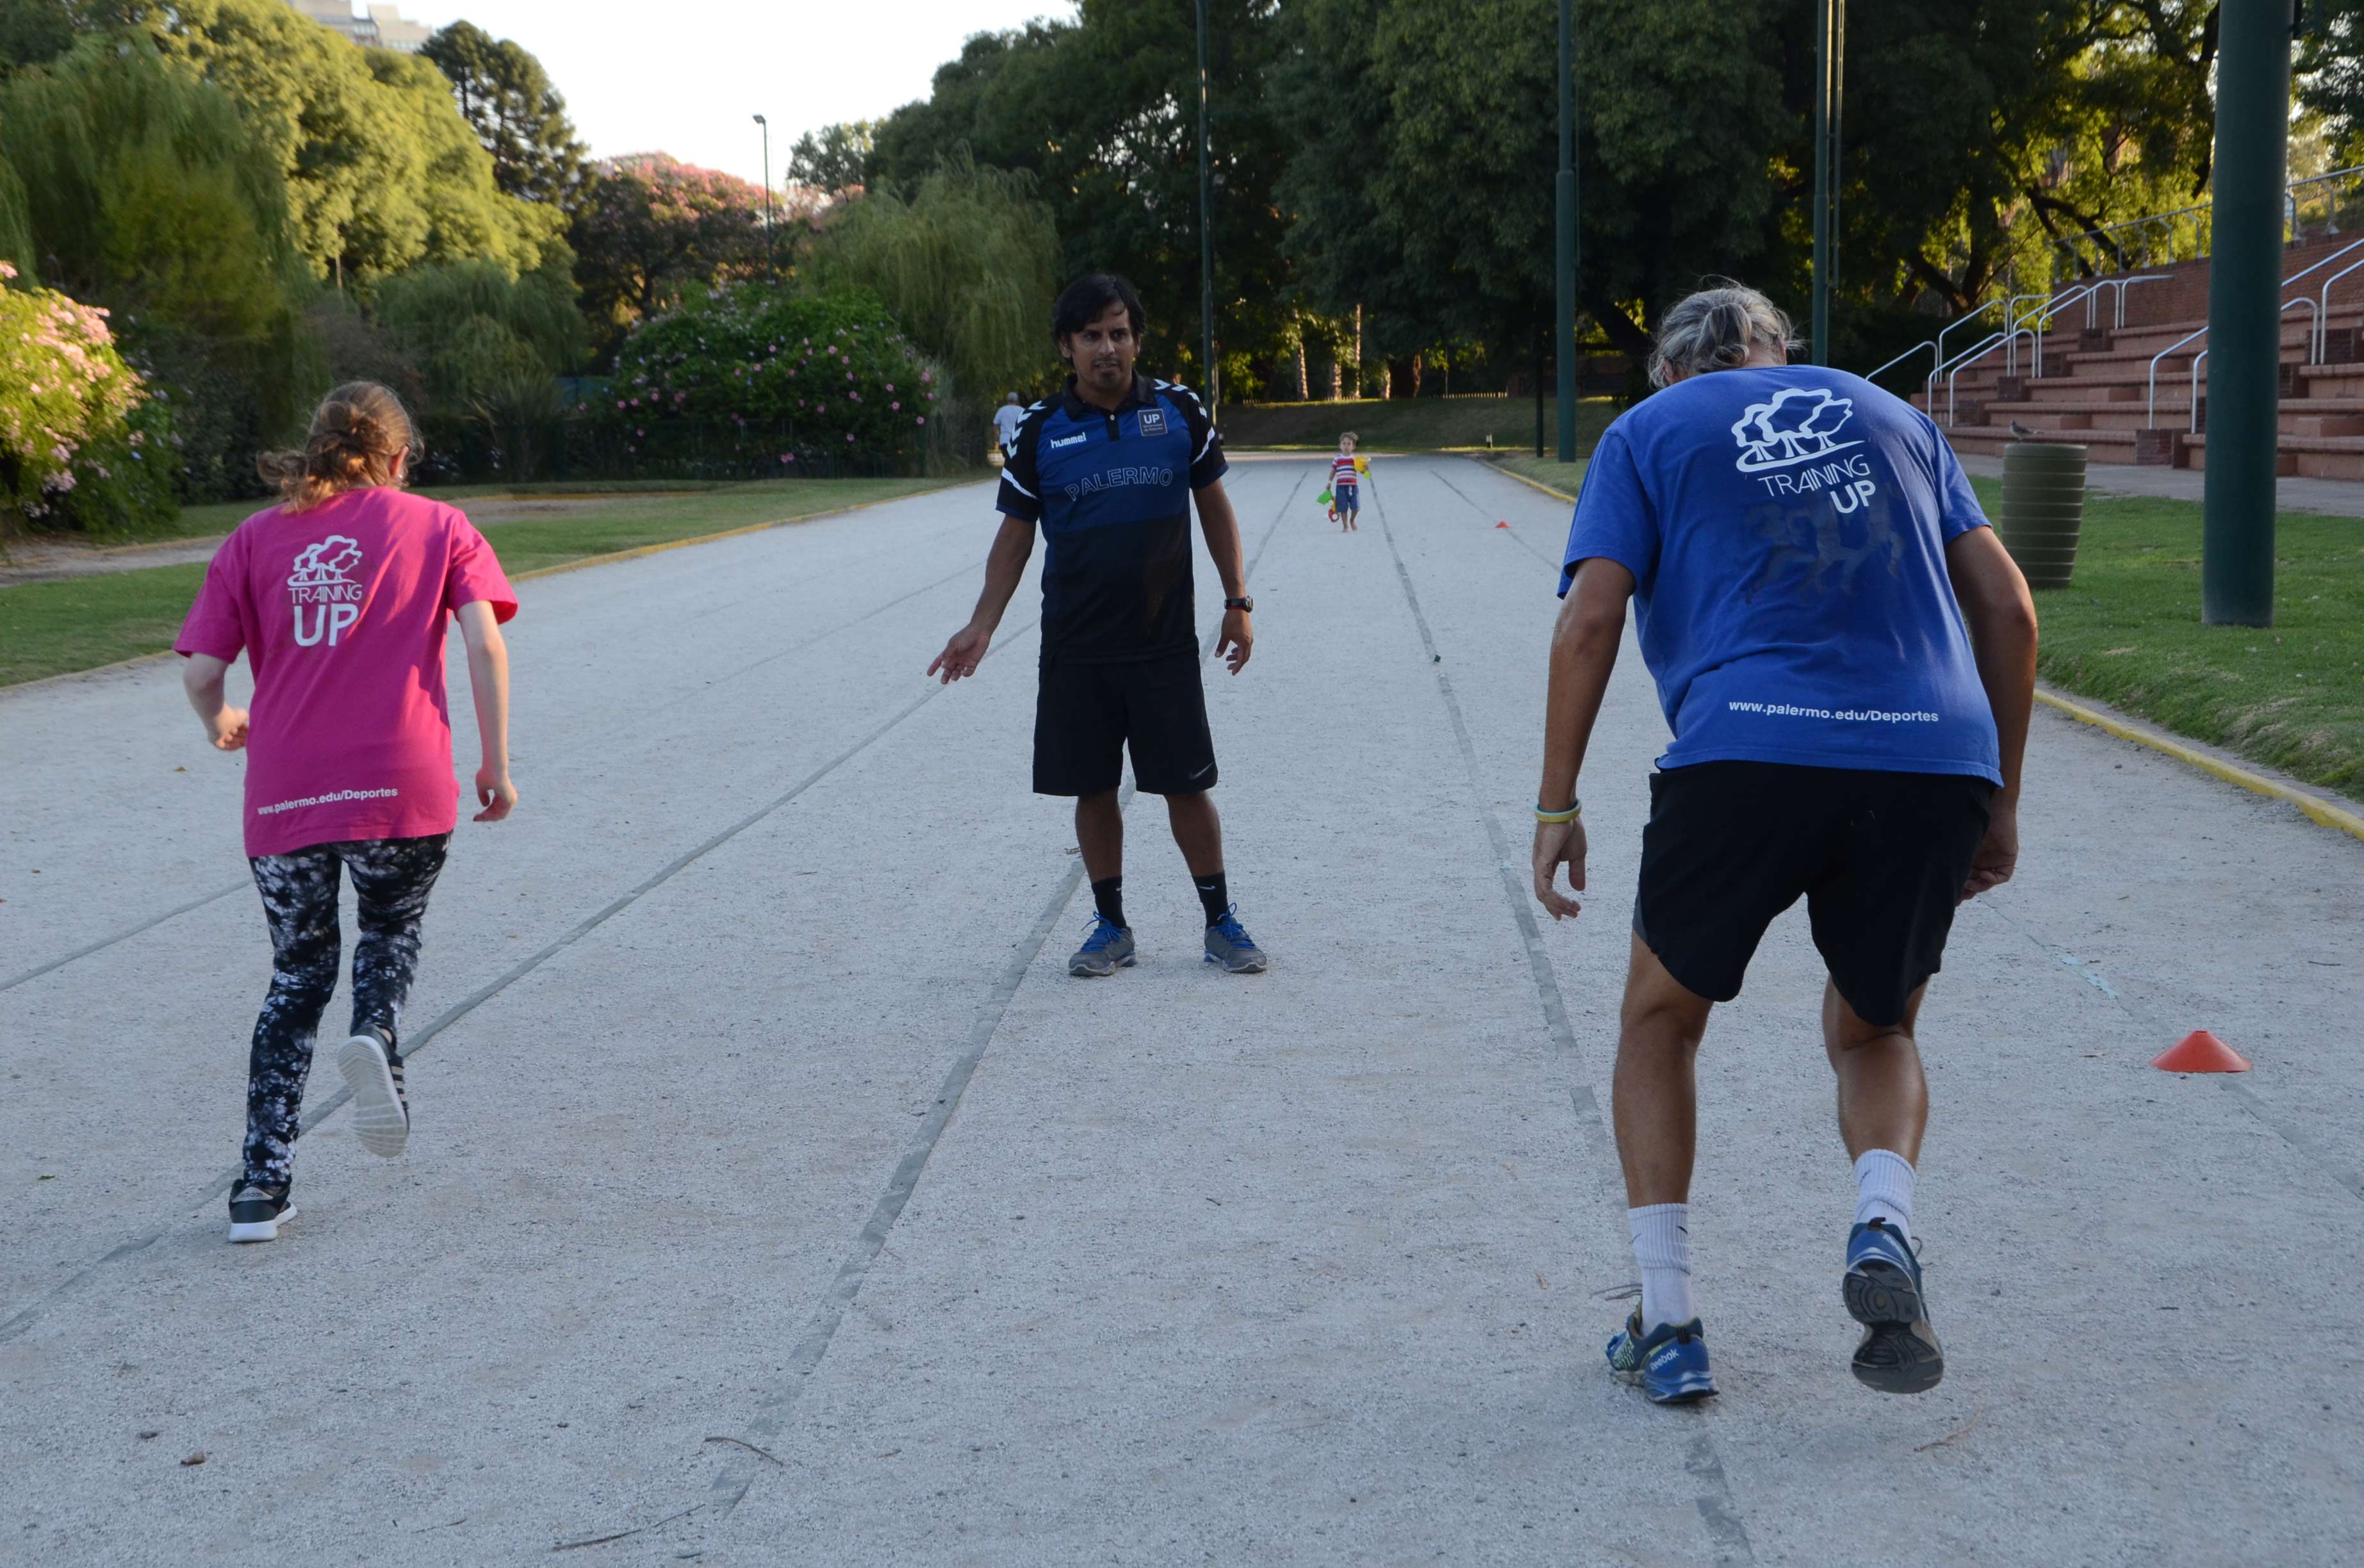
(1005, 567)
(2001, 615)
(1583, 653)
(1221, 526)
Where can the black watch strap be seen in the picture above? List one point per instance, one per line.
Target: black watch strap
(1243, 603)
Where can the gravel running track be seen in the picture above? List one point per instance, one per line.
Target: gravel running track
(754, 1103)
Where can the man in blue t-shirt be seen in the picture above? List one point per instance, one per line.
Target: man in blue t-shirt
(1846, 658)
(1110, 468)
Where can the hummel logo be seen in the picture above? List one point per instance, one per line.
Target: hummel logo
(1067, 440)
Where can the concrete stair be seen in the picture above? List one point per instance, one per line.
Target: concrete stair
(2100, 387)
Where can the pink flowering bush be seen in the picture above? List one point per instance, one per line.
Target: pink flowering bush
(79, 441)
(801, 375)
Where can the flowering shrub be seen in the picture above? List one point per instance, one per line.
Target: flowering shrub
(814, 375)
(80, 444)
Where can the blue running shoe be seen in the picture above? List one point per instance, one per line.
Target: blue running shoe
(1229, 944)
(1108, 946)
(1669, 1363)
(1899, 1354)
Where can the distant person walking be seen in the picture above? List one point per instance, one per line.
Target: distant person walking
(1803, 552)
(339, 597)
(1005, 421)
(1109, 468)
(1347, 483)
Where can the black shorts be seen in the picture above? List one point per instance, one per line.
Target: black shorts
(1086, 714)
(1881, 857)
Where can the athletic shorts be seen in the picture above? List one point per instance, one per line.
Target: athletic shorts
(1087, 714)
(1347, 498)
(1879, 857)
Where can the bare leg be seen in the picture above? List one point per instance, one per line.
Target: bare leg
(1099, 833)
(1883, 1098)
(1655, 1097)
(1197, 831)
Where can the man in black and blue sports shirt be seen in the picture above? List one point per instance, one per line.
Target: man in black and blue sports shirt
(1109, 468)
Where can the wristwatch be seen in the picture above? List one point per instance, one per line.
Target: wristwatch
(1243, 603)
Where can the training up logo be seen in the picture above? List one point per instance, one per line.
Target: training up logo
(322, 581)
(1801, 425)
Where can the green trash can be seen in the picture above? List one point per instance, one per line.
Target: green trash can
(2043, 508)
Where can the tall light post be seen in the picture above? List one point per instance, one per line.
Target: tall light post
(1206, 229)
(1830, 56)
(770, 269)
(1564, 337)
(2253, 83)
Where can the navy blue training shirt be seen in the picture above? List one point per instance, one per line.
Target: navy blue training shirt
(1787, 530)
(1113, 494)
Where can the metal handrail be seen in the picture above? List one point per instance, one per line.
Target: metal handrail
(2195, 390)
(1989, 341)
(2054, 304)
(1924, 343)
(1962, 365)
(2118, 321)
(2164, 221)
(2010, 321)
(1929, 388)
(2150, 418)
(2288, 305)
(2320, 338)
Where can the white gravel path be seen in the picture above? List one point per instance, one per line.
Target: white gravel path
(753, 1103)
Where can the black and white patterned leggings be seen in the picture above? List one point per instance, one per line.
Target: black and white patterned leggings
(391, 880)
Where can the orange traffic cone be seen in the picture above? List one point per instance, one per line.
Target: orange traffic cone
(2200, 1051)
(1501, 524)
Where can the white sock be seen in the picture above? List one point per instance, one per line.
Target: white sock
(1662, 1246)
(1883, 1189)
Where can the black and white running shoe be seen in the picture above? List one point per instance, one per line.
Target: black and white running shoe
(373, 1069)
(256, 1212)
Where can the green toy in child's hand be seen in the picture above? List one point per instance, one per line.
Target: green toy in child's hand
(1324, 499)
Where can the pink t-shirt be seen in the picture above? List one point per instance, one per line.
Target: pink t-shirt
(341, 611)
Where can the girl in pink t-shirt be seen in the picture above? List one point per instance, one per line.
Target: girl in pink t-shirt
(339, 597)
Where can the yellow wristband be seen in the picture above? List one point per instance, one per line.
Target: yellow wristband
(1570, 815)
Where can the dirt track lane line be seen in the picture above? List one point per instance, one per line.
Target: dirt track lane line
(1716, 1511)
(771, 1413)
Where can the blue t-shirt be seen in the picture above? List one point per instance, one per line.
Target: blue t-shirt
(1111, 490)
(1786, 533)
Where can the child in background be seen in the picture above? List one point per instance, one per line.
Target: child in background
(339, 597)
(1345, 475)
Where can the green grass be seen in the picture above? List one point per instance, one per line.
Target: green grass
(2128, 632)
(51, 629)
(1564, 477)
(1410, 424)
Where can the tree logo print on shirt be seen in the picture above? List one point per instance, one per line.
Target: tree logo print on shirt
(1800, 425)
(322, 583)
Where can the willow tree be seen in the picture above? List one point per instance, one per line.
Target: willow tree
(968, 262)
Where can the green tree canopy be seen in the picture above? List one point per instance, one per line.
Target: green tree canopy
(969, 264)
(381, 170)
(506, 97)
(653, 231)
(835, 158)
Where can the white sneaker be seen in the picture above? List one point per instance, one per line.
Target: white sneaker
(381, 1113)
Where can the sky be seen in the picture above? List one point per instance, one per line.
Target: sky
(688, 76)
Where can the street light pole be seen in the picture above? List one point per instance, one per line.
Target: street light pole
(2253, 80)
(1206, 229)
(1564, 337)
(1830, 54)
(770, 267)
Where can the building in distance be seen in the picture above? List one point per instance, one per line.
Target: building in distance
(382, 27)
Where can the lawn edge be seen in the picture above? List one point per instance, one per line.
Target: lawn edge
(1530, 483)
(608, 559)
(2317, 806)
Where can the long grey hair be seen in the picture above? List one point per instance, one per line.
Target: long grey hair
(1716, 330)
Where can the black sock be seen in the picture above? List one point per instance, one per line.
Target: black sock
(1214, 895)
(1108, 897)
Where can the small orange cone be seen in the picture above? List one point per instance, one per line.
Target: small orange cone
(1501, 524)
(2200, 1051)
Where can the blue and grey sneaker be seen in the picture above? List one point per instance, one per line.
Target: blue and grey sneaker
(1669, 1363)
(1108, 946)
(1899, 1354)
(1229, 944)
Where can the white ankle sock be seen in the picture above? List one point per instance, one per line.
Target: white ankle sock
(1662, 1246)
(1883, 1188)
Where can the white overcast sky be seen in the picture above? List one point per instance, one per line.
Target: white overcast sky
(688, 76)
